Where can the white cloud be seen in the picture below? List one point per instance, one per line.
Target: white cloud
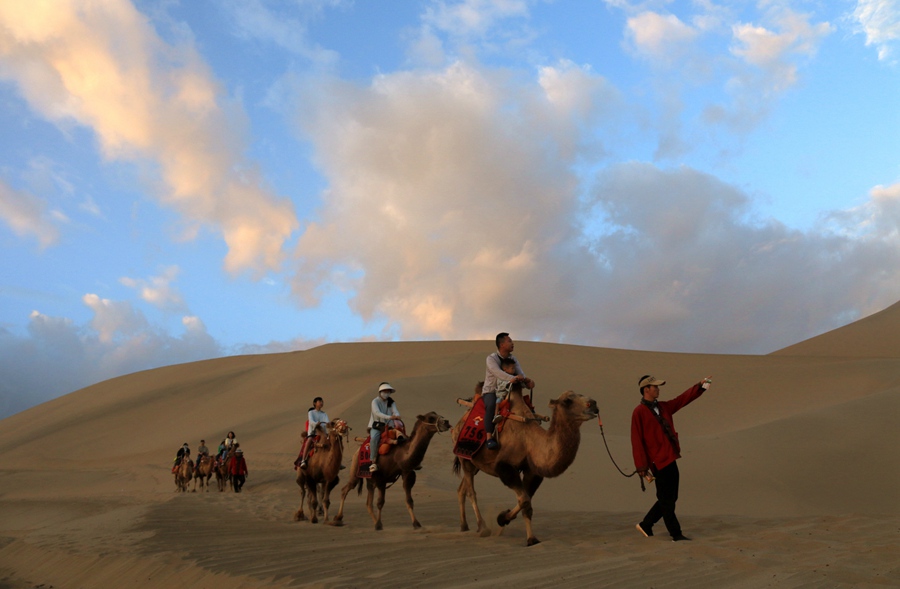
(103, 66)
(473, 17)
(776, 53)
(253, 19)
(879, 21)
(112, 318)
(58, 356)
(28, 215)
(660, 37)
(454, 210)
(158, 290)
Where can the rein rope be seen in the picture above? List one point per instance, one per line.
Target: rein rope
(622, 472)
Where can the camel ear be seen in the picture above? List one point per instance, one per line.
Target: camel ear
(553, 403)
(420, 417)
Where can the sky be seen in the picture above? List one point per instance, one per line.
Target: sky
(191, 179)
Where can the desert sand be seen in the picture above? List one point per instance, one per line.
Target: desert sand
(787, 475)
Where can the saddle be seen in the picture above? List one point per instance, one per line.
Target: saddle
(473, 435)
(365, 460)
(313, 443)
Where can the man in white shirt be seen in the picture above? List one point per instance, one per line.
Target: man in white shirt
(495, 378)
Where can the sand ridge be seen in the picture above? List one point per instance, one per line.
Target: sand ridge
(783, 475)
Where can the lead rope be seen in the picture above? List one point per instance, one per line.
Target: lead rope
(622, 472)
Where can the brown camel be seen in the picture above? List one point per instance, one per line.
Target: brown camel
(402, 461)
(223, 469)
(183, 473)
(528, 453)
(323, 469)
(206, 465)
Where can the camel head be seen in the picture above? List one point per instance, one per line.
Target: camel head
(339, 427)
(433, 419)
(575, 406)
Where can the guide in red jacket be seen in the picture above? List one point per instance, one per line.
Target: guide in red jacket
(239, 470)
(655, 445)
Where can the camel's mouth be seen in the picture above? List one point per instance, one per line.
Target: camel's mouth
(592, 410)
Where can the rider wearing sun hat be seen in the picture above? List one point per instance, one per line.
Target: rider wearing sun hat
(384, 410)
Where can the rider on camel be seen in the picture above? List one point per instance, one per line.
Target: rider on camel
(317, 420)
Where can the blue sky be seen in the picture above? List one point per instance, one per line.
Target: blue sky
(186, 180)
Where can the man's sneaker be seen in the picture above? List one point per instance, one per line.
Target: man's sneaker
(492, 444)
(373, 468)
(497, 418)
(303, 465)
(647, 531)
(679, 538)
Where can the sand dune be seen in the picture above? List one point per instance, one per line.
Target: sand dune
(786, 477)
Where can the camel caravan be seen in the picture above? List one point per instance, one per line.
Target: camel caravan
(499, 434)
(228, 465)
(505, 440)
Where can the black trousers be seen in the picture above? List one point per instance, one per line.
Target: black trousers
(666, 495)
(238, 481)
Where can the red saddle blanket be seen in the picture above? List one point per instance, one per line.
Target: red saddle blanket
(365, 461)
(472, 435)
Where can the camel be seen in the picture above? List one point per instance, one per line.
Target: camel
(527, 455)
(402, 461)
(322, 469)
(223, 470)
(206, 465)
(183, 474)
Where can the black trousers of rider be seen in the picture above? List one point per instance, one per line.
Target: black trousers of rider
(238, 482)
(666, 495)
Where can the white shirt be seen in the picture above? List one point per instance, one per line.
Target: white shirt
(381, 412)
(494, 375)
(316, 418)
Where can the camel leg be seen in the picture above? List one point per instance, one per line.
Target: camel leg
(339, 518)
(409, 480)
(532, 482)
(370, 502)
(524, 487)
(326, 497)
(467, 489)
(299, 516)
(313, 493)
(380, 504)
(510, 478)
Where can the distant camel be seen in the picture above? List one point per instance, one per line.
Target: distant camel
(223, 469)
(183, 473)
(206, 465)
(402, 461)
(322, 469)
(528, 453)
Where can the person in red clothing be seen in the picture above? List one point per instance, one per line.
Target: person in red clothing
(654, 443)
(239, 470)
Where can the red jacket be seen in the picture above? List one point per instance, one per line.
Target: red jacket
(239, 466)
(649, 442)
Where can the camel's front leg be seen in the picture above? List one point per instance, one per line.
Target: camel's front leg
(521, 486)
(326, 496)
(312, 490)
(531, 482)
(409, 480)
(299, 515)
(339, 518)
(370, 501)
(379, 505)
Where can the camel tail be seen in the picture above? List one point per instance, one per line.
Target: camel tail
(456, 465)
(359, 486)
